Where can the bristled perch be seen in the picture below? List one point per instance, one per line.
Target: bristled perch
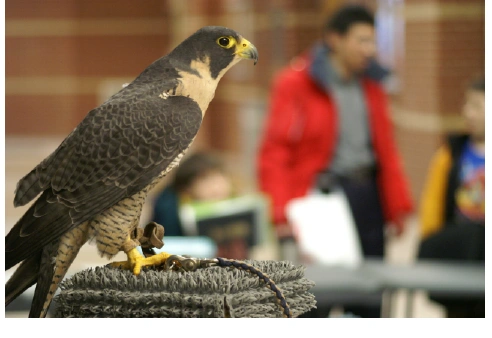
(209, 292)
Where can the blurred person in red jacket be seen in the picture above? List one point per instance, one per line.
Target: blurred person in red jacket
(328, 125)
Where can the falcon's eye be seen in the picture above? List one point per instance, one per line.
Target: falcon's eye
(226, 41)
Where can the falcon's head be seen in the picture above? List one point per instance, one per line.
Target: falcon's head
(219, 47)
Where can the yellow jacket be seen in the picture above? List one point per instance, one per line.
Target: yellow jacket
(432, 202)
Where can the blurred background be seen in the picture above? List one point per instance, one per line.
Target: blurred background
(65, 57)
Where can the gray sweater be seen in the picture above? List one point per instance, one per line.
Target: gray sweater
(354, 150)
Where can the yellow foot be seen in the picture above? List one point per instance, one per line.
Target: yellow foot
(136, 261)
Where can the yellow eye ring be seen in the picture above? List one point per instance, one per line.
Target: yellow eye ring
(226, 41)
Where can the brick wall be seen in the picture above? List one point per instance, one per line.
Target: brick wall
(63, 57)
(60, 55)
(444, 49)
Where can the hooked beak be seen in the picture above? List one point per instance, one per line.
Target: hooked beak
(247, 50)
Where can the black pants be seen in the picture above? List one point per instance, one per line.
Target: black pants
(364, 201)
(365, 204)
(457, 241)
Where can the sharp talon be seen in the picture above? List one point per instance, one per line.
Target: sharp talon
(123, 265)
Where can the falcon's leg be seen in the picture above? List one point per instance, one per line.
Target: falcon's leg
(136, 260)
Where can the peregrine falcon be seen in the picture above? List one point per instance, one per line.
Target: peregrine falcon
(93, 186)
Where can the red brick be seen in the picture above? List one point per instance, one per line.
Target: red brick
(45, 115)
(82, 55)
(61, 9)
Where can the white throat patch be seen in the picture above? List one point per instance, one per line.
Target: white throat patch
(200, 88)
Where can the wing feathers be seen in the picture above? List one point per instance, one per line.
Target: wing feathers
(89, 173)
(116, 151)
(27, 189)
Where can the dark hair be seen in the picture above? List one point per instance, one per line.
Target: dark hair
(193, 167)
(478, 84)
(341, 21)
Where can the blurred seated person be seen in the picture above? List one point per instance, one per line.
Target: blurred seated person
(452, 212)
(199, 177)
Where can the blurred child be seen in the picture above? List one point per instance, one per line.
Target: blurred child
(452, 212)
(199, 177)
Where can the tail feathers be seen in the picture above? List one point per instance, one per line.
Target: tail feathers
(44, 281)
(23, 278)
(56, 259)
